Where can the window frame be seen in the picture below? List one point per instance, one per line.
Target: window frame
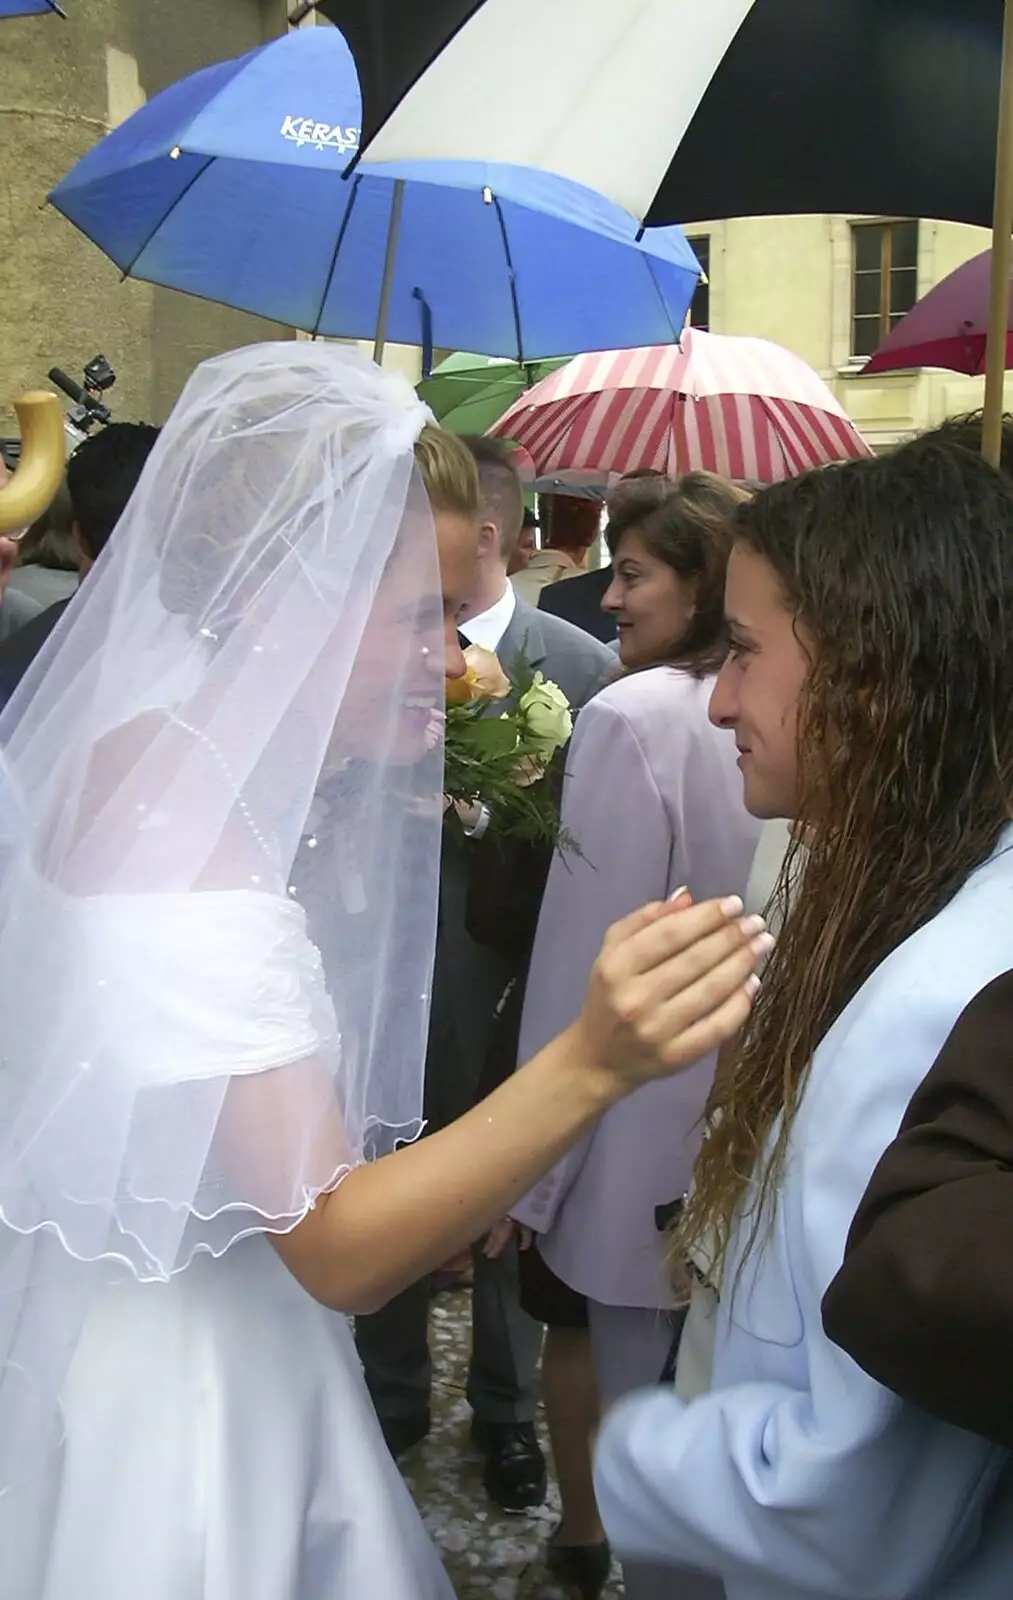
(885, 274)
(703, 288)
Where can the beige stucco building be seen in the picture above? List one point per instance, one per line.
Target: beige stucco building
(827, 287)
(62, 85)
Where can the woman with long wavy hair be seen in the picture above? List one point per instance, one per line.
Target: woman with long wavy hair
(869, 686)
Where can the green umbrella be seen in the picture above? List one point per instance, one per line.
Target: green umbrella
(468, 393)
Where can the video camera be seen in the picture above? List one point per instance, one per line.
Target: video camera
(87, 411)
(88, 408)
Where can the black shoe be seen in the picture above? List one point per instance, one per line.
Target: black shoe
(403, 1433)
(583, 1567)
(514, 1475)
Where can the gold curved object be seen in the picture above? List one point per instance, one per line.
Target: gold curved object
(43, 454)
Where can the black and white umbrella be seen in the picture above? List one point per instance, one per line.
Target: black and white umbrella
(684, 110)
(681, 110)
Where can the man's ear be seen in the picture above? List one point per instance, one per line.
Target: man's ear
(488, 540)
(80, 540)
(83, 548)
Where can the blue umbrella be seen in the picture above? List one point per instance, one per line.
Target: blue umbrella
(231, 185)
(29, 8)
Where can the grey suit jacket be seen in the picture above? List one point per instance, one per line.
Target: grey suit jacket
(470, 979)
(568, 656)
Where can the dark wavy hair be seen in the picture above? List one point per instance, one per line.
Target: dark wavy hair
(965, 433)
(103, 473)
(899, 574)
(687, 524)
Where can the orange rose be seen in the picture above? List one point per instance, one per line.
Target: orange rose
(461, 691)
(484, 679)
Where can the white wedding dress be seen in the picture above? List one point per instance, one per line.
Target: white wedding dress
(255, 1469)
(219, 1442)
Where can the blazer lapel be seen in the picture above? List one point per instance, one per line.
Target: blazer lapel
(523, 637)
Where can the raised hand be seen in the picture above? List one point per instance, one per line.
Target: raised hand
(673, 981)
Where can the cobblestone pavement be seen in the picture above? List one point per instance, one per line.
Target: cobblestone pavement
(489, 1555)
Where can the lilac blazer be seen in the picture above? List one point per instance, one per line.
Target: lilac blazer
(654, 799)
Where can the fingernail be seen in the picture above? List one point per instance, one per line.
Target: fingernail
(752, 986)
(751, 925)
(683, 889)
(731, 906)
(763, 945)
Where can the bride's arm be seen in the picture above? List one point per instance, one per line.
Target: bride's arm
(665, 991)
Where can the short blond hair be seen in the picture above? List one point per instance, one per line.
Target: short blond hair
(448, 471)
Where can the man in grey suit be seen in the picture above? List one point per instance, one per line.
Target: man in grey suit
(468, 984)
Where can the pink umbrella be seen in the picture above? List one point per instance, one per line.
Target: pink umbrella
(949, 328)
(741, 407)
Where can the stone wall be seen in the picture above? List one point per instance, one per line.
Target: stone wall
(62, 86)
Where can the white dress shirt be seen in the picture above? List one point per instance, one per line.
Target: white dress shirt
(488, 628)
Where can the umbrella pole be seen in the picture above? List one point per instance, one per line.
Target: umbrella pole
(1002, 256)
(393, 231)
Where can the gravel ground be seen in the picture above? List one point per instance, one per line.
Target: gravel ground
(489, 1555)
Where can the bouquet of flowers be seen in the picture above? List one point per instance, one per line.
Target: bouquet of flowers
(500, 762)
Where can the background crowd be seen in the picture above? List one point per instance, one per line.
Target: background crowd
(577, 1299)
(694, 1091)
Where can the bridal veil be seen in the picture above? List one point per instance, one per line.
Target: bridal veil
(219, 846)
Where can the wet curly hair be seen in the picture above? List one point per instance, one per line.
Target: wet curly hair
(898, 572)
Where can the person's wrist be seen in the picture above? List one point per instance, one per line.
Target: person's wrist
(478, 824)
(597, 1081)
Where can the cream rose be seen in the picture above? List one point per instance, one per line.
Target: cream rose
(546, 712)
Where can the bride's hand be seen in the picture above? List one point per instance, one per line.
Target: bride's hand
(672, 983)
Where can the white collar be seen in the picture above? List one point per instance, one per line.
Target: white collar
(488, 628)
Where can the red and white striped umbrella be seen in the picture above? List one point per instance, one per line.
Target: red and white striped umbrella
(744, 408)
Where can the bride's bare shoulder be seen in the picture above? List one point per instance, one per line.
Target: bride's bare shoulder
(118, 794)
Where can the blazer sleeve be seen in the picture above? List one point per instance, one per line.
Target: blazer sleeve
(924, 1301)
(820, 1480)
(619, 820)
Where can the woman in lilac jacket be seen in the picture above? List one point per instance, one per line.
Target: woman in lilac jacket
(654, 800)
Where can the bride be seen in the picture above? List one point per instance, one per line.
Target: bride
(220, 819)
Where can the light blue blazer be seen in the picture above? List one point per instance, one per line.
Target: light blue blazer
(798, 1476)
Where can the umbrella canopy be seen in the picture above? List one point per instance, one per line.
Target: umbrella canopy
(682, 110)
(29, 8)
(468, 393)
(230, 185)
(741, 407)
(948, 328)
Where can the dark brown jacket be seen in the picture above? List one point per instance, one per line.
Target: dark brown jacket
(924, 1301)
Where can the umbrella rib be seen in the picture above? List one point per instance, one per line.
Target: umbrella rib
(167, 214)
(513, 281)
(676, 334)
(346, 219)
